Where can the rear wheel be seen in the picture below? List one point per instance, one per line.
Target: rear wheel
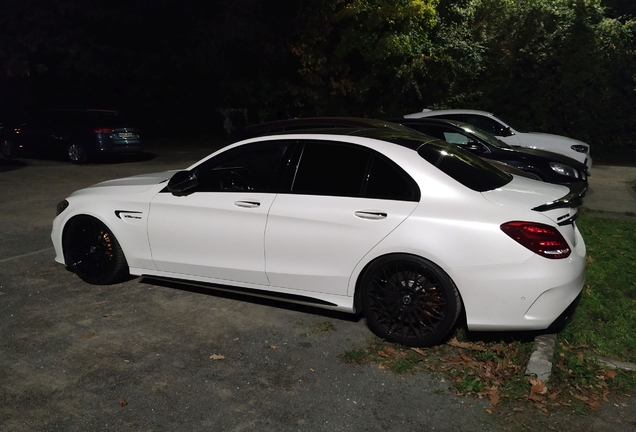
(92, 252)
(76, 153)
(409, 300)
(8, 149)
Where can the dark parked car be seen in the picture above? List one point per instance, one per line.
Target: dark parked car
(78, 135)
(318, 123)
(548, 166)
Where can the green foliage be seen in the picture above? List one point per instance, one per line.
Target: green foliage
(354, 52)
(605, 319)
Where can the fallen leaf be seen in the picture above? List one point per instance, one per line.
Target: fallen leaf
(589, 259)
(390, 351)
(466, 345)
(489, 411)
(594, 404)
(217, 357)
(88, 335)
(122, 402)
(580, 356)
(419, 351)
(610, 374)
(383, 354)
(494, 398)
(553, 396)
(538, 386)
(535, 397)
(106, 315)
(381, 366)
(273, 346)
(465, 357)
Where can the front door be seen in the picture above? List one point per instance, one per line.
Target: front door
(217, 231)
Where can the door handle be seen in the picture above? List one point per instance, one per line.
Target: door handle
(370, 215)
(247, 204)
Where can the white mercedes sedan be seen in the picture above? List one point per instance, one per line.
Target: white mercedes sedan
(406, 229)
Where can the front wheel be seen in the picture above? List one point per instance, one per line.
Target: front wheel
(8, 149)
(76, 153)
(92, 252)
(409, 300)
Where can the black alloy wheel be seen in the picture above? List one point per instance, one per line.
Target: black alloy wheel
(409, 300)
(92, 251)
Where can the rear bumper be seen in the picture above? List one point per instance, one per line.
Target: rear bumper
(529, 295)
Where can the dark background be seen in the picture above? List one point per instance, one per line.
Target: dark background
(177, 66)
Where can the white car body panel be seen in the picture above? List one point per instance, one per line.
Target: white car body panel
(210, 234)
(303, 229)
(536, 140)
(315, 247)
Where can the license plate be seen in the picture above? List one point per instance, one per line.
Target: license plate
(125, 135)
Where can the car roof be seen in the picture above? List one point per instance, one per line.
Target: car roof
(311, 123)
(427, 112)
(393, 134)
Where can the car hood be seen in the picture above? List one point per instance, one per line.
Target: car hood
(552, 139)
(135, 184)
(552, 157)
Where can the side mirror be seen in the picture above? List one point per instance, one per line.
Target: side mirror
(475, 147)
(182, 182)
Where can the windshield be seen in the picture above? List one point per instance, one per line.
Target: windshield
(485, 136)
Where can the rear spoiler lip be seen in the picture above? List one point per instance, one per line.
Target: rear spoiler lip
(573, 199)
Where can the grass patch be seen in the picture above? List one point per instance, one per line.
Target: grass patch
(605, 319)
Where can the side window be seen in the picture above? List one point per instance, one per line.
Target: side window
(331, 169)
(387, 181)
(249, 168)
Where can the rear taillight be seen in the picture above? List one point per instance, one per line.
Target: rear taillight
(104, 130)
(541, 239)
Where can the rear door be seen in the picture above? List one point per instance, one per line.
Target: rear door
(344, 200)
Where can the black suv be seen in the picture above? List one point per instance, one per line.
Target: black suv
(75, 134)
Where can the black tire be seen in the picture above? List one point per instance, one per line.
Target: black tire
(76, 153)
(8, 149)
(409, 300)
(92, 252)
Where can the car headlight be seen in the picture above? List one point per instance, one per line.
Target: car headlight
(62, 206)
(580, 148)
(563, 169)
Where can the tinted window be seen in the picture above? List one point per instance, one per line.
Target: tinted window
(331, 169)
(469, 170)
(387, 181)
(249, 168)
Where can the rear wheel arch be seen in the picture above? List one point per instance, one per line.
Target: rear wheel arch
(438, 293)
